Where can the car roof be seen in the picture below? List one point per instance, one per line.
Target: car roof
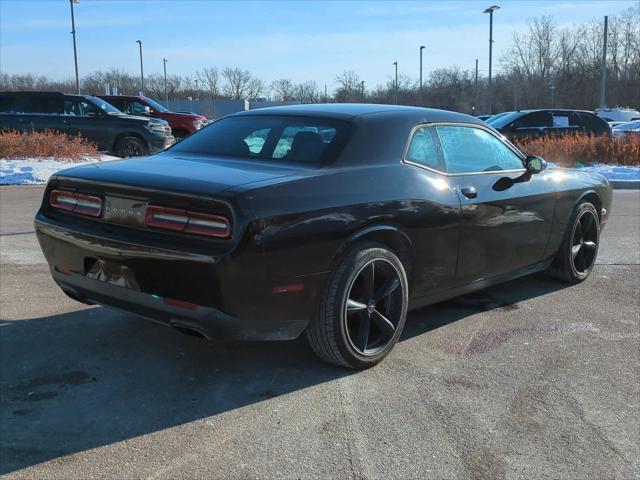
(565, 110)
(347, 111)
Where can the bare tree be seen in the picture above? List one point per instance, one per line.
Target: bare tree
(241, 84)
(283, 90)
(210, 81)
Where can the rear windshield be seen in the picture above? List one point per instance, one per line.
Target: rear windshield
(293, 139)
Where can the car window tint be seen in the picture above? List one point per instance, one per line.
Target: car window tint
(6, 103)
(422, 148)
(469, 149)
(45, 104)
(534, 119)
(285, 142)
(287, 138)
(256, 140)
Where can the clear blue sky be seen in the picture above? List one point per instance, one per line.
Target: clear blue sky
(301, 40)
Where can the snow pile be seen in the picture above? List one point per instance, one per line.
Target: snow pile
(615, 172)
(29, 171)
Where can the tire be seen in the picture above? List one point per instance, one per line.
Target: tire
(579, 250)
(361, 316)
(131, 147)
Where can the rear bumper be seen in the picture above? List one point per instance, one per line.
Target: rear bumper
(225, 300)
(210, 322)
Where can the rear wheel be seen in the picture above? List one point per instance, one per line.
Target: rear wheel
(363, 310)
(579, 249)
(131, 147)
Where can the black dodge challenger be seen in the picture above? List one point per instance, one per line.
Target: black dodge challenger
(328, 220)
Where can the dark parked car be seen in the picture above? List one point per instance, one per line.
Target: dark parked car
(332, 220)
(536, 123)
(85, 115)
(182, 124)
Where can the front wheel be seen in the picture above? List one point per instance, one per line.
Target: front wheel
(131, 147)
(579, 249)
(363, 310)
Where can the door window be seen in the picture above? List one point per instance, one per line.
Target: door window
(79, 108)
(423, 148)
(472, 150)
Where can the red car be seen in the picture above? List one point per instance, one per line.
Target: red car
(182, 124)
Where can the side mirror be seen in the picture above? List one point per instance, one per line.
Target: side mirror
(535, 164)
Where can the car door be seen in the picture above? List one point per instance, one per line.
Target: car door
(506, 214)
(82, 117)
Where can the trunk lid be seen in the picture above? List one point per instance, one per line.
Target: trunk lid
(192, 174)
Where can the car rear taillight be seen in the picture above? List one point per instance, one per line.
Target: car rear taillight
(178, 220)
(76, 203)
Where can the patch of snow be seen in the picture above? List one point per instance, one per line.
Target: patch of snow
(32, 171)
(616, 172)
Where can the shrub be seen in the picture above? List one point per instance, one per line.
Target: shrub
(49, 143)
(579, 149)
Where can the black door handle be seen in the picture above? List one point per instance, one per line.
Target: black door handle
(469, 192)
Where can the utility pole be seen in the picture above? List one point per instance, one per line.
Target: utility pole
(166, 91)
(362, 89)
(75, 50)
(139, 42)
(422, 47)
(603, 78)
(395, 86)
(490, 11)
(326, 97)
(553, 95)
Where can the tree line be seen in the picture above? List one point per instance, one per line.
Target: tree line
(544, 66)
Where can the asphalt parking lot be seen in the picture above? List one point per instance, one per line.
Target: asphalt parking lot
(531, 379)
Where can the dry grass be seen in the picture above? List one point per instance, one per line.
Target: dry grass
(45, 144)
(580, 149)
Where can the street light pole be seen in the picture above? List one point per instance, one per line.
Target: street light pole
(139, 42)
(362, 89)
(395, 86)
(422, 47)
(75, 50)
(166, 92)
(490, 11)
(603, 78)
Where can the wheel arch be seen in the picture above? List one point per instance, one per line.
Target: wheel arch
(592, 197)
(391, 236)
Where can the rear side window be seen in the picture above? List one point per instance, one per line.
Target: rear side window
(45, 105)
(472, 150)
(287, 138)
(423, 148)
(533, 120)
(7, 103)
(592, 123)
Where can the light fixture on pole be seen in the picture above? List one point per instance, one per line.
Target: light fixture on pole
(139, 42)
(490, 11)
(166, 92)
(395, 85)
(75, 50)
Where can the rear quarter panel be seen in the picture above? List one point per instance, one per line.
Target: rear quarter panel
(303, 225)
(572, 187)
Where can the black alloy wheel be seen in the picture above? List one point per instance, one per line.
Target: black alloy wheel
(363, 309)
(373, 307)
(577, 255)
(130, 147)
(584, 242)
